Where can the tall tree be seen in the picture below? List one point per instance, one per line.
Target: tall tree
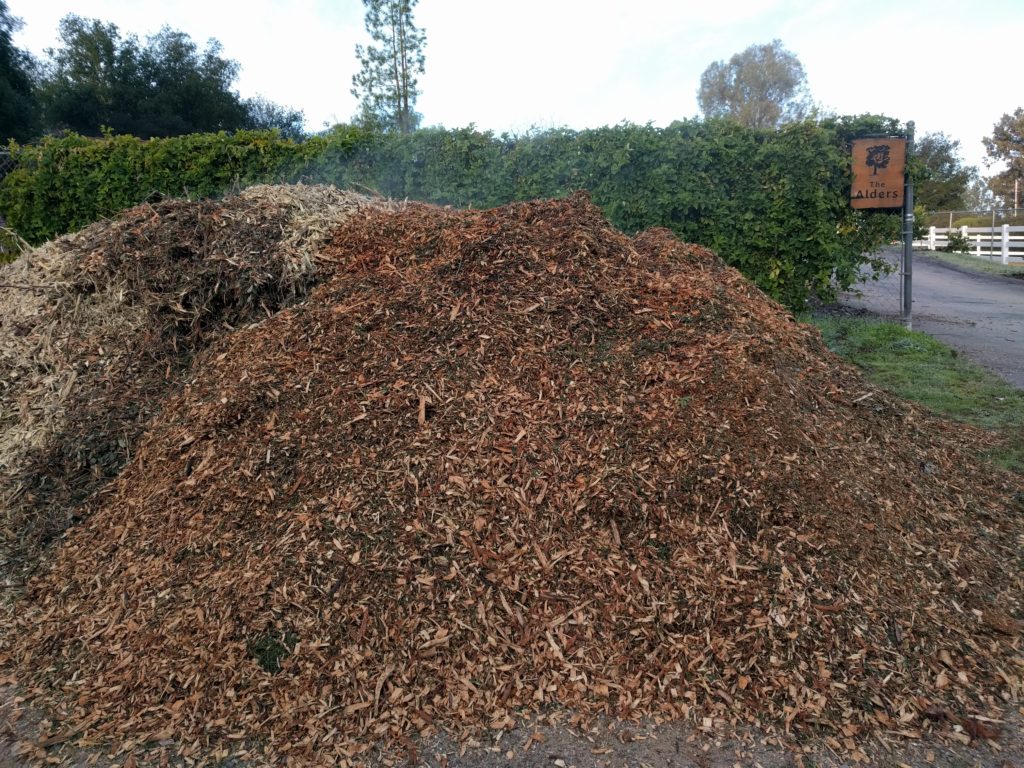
(1006, 146)
(386, 83)
(81, 76)
(19, 111)
(189, 91)
(761, 87)
(945, 181)
(166, 87)
(978, 196)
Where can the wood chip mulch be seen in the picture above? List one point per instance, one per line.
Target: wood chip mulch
(96, 328)
(514, 462)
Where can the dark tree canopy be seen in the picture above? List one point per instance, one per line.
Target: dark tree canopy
(1006, 145)
(165, 87)
(878, 157)
(761, 87)
(185, 90)
(266, 115)
(83, 78)
(19, 111)
(944, 181)
(386, 83)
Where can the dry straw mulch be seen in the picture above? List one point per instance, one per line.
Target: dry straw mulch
(98, 325)
(513, 462)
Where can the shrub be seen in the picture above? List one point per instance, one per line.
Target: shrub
(957, 243)
(772, 203)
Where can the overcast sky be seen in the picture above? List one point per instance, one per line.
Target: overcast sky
(949, 66)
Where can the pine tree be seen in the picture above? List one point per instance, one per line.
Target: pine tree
(386, 82)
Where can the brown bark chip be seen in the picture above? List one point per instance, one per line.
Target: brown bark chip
(511, 462)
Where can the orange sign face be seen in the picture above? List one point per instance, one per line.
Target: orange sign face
(878, 166)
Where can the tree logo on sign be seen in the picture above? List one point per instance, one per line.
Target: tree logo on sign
(878, 157)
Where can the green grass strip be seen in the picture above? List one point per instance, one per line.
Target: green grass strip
(983, 264)
(919, 368)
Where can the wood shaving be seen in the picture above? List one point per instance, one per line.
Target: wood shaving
(513, 461)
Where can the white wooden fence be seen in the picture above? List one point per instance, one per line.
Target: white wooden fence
(1003, 242)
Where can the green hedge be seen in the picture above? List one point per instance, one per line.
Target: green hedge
(772, 203)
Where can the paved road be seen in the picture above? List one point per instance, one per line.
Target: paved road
(980, 315)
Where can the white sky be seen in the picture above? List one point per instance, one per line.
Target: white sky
(949, 66)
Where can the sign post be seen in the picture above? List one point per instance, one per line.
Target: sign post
(880, 180)
(908, 237)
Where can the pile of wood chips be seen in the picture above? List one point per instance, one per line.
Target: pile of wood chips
(511, 463)
(96, 327)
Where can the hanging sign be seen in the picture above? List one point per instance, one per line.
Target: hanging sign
(878, 166)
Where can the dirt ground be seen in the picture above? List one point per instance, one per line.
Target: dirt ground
(683, 746)
(602, 744)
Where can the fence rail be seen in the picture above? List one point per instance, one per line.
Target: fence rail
(1004, 242)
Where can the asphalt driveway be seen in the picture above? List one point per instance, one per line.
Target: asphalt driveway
(979, 315)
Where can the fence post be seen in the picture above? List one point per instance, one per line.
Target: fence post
(1006, 243)
(931, 238)
(977, 246)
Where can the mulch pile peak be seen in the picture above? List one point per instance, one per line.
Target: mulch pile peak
(514, 462)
